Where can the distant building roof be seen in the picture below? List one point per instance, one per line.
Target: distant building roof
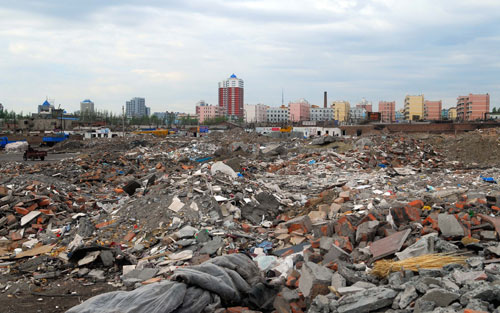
(233, 76)
(46, 103)
(86, 101)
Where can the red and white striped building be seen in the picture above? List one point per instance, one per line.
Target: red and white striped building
(231, 97)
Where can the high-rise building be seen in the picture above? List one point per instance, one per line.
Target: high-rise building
(387, 111)
(136, 107)
(231, 97)
(341, 110)
(365, 104)
(86, 106)
(473, 107)
(414, 107)
(432, 110)
(452, 113)
(300, 110)
(255, 113)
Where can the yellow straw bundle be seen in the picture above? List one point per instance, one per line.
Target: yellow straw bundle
(383, 268)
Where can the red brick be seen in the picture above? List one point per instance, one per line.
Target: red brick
(80, 200)
(417, 204)
(246, 228)
(295, 308)
(287, 253)
(129, 236)
(315, 243)
(402, 216)
(30, 231)
(21, 211)
(15, 236)
(152, 280)
(32, 207)
(427, 230)
(290, 282)
(37, 226)
(237, 309)
(343, 243)
(343, 227)
(46, 212)
(297, 227)
(104, 224)
(11, 219)
(44, 202)
(345, 195)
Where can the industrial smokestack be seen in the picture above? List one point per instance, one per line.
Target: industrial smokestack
(325, 101)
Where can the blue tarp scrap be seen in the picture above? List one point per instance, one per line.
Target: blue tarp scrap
(489, 179)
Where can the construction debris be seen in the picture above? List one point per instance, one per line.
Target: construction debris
(234, 222)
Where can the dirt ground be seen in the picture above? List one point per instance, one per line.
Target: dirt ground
(18, 157)
(58, 296)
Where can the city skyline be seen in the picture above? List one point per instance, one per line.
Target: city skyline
(379, 50)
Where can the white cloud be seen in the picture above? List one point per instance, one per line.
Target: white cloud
(174, 54)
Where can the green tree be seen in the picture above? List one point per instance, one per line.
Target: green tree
(215, 120)
(170, 119)
(494, 110)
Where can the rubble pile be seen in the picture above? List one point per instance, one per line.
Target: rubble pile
(392, 224)
(476, 149)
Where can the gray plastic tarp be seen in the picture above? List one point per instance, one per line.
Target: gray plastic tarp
(219, 282)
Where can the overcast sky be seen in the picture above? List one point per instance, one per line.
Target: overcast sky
(174, 53)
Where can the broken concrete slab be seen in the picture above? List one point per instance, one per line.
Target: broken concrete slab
(210, 247)
(388, 245)
(425, 245)
(449, 226)
(441, 297)
(335, 254)
(29, 217)
(139, 275)
(89, 258)
(367, 301)
(107, 258)
(338, 281)
(366, 231)
(314, 280)
(407, 296)
(176, 204)
(344, 291)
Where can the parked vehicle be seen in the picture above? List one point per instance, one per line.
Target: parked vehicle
(52, 140)
(5, 141)
(33, 154)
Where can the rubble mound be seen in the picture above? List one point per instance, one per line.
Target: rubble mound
(228, 224)
(479, 148)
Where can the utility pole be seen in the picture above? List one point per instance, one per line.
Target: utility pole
(123, 120)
